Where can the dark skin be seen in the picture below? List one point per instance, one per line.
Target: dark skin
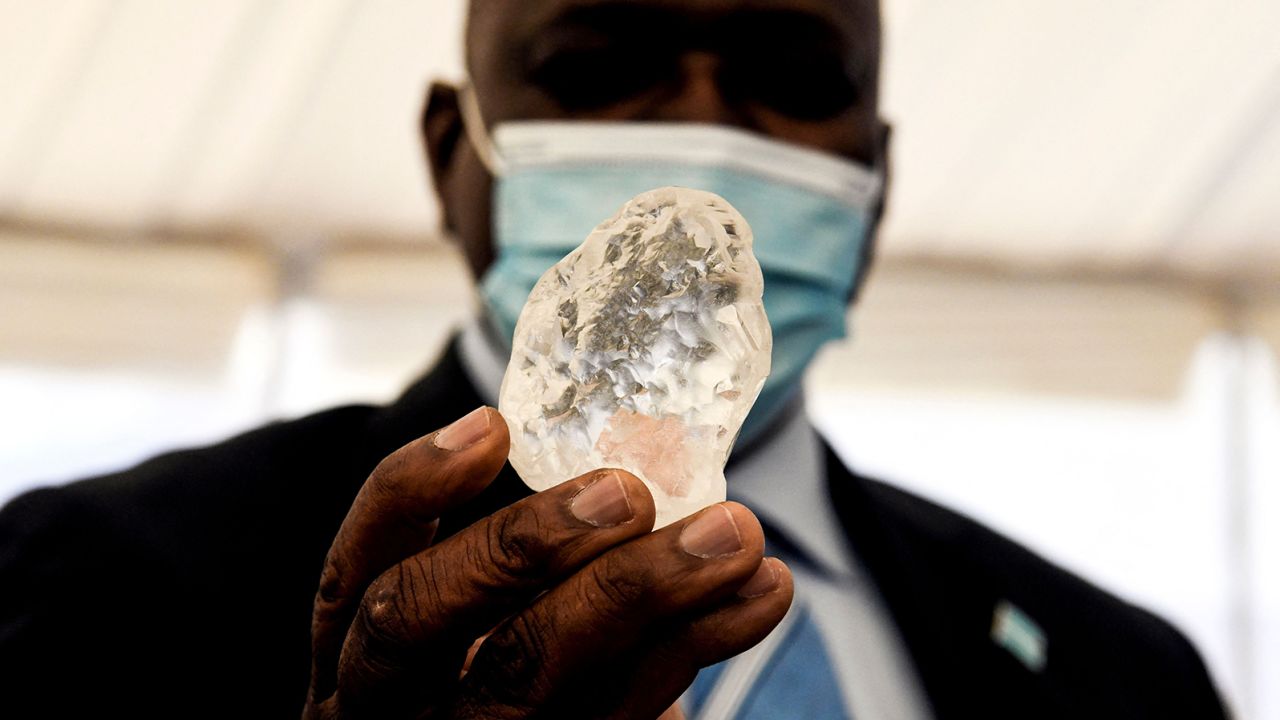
(538, 60)
(583, 611)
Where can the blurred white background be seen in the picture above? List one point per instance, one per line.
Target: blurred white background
(214, 213)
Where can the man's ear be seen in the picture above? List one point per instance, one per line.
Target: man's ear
(873, 237)
(441, 131)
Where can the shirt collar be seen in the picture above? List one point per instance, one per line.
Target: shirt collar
(782, 478)
(482, 359)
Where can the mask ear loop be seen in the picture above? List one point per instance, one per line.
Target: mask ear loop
(877, 195)
(477, 133)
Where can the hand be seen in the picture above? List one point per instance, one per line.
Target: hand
(586, 612)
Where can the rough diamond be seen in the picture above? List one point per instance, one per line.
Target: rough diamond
(642, 349)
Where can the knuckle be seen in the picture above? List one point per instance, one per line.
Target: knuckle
(524, 640)
(483, 702)
(399, 489)
(514, 658)
(386, 471)
(395, 473)
(383, 617)
(383, 486)
(516, 544)
(331, 590)
(334, 588)
(430, 572)
(618, 585)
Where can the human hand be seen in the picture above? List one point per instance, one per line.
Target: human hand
(587, 613)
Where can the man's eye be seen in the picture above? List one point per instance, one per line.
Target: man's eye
(805, 88)
(590, 80)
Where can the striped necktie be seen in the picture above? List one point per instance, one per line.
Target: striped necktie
(788, 675)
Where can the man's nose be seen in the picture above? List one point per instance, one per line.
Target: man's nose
(699, 96)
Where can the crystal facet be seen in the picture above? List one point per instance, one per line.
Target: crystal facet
(642, 349)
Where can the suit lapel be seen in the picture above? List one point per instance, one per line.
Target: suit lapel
(942, 603)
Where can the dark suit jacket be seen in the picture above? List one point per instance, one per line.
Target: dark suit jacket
(183, 587)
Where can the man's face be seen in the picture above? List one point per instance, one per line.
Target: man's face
(803, 71)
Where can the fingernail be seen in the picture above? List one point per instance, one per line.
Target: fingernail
(712, 534)
(763, 582)
(603, 503)
(465, 432)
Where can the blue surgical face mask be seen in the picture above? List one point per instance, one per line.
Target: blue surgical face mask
(811, 214)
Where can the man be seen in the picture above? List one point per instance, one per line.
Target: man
(355, 564)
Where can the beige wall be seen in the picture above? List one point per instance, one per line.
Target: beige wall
(177, 306)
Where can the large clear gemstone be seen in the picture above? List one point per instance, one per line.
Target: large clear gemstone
(642, 349)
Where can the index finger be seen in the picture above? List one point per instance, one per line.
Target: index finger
(394, 516)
